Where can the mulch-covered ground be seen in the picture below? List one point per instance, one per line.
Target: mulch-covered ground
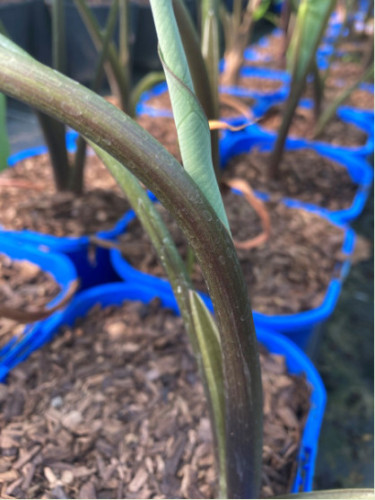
(114, 408)
(23, 285)
(336, 132)
(28, 200)
(304, 175)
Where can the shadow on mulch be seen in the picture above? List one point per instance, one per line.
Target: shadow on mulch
(345, 360)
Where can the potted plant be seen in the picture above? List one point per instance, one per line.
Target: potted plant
(117, 139)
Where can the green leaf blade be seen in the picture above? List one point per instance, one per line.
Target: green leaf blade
(191, 122)
(210, 350)
(4, 141)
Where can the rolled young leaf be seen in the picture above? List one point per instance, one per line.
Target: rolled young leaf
(191, 123)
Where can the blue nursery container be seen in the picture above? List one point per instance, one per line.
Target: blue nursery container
(93, 265)
(64, 274)
(358, 169)
(300, 327)
(297, 362)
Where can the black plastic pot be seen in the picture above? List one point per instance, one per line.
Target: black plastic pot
(17, 19)
(145, 47)
(81, 53)
(42, 36)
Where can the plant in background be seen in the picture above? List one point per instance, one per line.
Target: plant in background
(227, 354)
(68, 171)
(311, 22)
(323, 117)
(238, 27)
(329, 113)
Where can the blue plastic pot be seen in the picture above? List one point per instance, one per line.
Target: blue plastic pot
(93, 265)
(297, 362)
(358, 169)
(64, 274)
(298, 327)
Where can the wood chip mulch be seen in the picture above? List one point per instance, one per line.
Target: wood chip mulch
(359, 98)
(336, 132)
(163, 130)
(22, 285)
(257, 84)
(59, 214)
(273, 49)
(304, 175)
(114, 408)
(290, 273)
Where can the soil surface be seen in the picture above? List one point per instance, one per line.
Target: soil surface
(164, 131)
(304, 175)
(23, 285)
(348, 72)
(359, 98)
(288, 274)
(273, 49)
(337, 132)
(114, 408)
(264, 85)
(36, 206)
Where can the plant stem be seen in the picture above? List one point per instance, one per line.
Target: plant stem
(54, 136)
(114, 71)
(278, 149)
(124, 56)
(58, 36)
(318, 90)
(330, 112)
(25, 79)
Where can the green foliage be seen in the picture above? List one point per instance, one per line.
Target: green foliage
(210, 351)
(4, 141)
(192, 127)
(311, 22)
(330, 112)
(238, 27)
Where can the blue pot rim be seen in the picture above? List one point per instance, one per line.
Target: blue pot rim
(64, 273)
(297, 361)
